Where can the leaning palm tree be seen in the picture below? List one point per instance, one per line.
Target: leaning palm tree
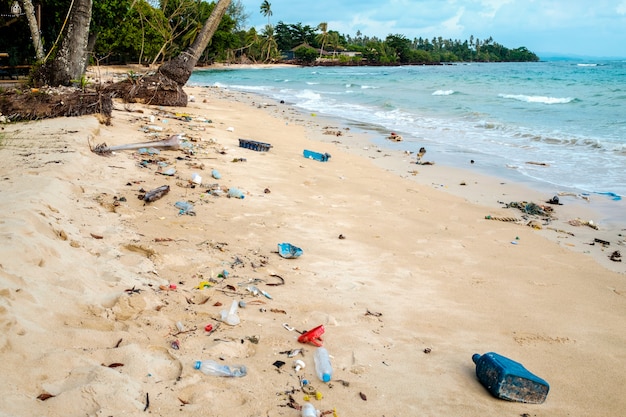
(166, 86)
(322, 37)
(266, 10)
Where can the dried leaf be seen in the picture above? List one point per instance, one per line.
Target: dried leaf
(95, 236)
(44, 396)
(363, 396)
(276, 310)
(115, 365)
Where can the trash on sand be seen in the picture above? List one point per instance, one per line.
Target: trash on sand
(394, 137)
(579, 222)
(216, 174)
(254, 145)
(554, 200)
(185, 208)
(172, 143)
(613, 196)
(196, 179)
(313, 336)
(299, 364)
(322, 157)
(509, 380)
(616, 256)
(288, 251)
(169, 172)
(230, 317)
(210, 367)
(154, 195)
(235, 193)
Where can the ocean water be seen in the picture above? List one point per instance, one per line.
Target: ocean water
(568, 116)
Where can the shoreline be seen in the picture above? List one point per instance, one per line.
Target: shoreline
(480, 188)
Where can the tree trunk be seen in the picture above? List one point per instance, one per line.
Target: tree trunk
(34, 29)
(179, 68)
(71, 59)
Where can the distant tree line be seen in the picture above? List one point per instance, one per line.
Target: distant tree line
(153, 31)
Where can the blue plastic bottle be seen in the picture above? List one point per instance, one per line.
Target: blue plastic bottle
(504, 378)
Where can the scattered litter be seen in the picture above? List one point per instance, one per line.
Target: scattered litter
(613, 196)
(288, 327)
(196, 179)
(235, 193)
(394, 137)
(322, 157)
(184, 208)
(170, 172)
(509, 380)
(288, 251)
(602, 242)
(313, 336)
(156, 194)
(215, 174)
(298, 364)
(279, 364)
(230, 317)
(503, 219)
(254, 145)
(579, 222)
(616, 256)
(554, 200)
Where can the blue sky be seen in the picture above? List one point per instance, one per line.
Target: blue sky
(568, 27)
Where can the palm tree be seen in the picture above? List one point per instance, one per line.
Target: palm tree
(179, 68)
(266, 10)
(322, 37)
(269, 47)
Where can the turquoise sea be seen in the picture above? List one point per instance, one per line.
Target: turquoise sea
(570, 116)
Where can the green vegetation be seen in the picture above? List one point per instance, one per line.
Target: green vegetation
(153, 31)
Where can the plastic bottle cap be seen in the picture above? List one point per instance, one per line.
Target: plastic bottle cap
(326, 377)
(198, 364)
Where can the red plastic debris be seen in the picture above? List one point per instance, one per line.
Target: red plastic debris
(313, 336)
(208, 328)
(172, 286)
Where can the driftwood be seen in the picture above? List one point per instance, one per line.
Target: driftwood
(18, 105)
(155, 194)
(171, 143)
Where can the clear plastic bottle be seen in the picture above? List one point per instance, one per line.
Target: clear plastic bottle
(323, 368)
(308, 410)
(235, 193)
(211, 367)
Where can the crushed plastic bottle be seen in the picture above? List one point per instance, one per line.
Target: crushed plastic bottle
(211, 367)
(235, 193)
(185, 208)
(230, 317)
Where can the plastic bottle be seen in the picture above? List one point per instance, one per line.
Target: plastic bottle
(230, 317)
(323, 368)
(235, 193)
(210, 367)
(308, 410)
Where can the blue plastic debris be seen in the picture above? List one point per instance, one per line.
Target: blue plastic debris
(288, 251)
(509, 380)
(322, 157)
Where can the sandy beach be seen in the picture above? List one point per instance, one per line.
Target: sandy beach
(106, 298)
